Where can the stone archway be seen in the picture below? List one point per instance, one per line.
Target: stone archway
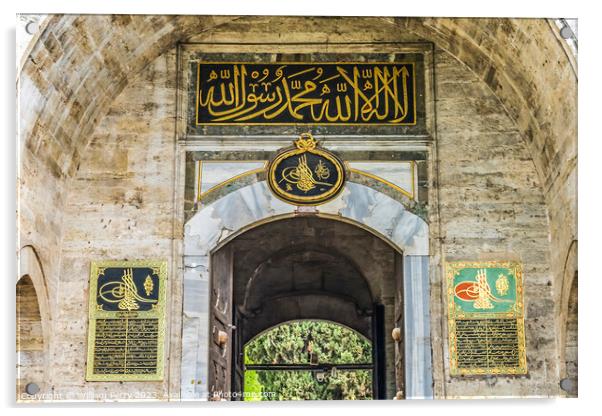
(305, 268)
(30, 341)
(32, 325)
(568, 339)
(217, 224)
(60, 113)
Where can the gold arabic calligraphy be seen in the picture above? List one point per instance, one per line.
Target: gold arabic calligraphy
(487, 343)
(301, 93)
(303, 177)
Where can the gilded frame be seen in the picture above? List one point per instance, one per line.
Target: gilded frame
(199, 167)
(455, 314)
(382, 180)
(94, 313)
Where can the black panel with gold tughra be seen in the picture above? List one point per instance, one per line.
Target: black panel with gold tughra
(306, 174)
(126, 313)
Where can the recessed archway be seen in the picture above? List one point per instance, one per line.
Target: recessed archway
(304, 268)
(33, 322)
(253, 207)
(30, 340)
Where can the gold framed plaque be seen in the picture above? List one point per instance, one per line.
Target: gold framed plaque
(126, 315)
(486, 318)
(306, 174)
(310, 93)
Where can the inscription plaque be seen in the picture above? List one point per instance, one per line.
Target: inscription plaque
(306, 174)
(126, 321)
(486, 318)
(317, 93)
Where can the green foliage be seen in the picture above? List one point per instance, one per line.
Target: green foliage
(294, 343)
(252, 388)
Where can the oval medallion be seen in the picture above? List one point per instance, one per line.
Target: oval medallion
(306, 174)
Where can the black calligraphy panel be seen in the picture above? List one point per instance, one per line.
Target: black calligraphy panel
(126, 346)
(487, 343)
(235, 93)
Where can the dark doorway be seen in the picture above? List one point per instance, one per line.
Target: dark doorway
(305, 268)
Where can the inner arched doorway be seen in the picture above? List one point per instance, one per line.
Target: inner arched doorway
(242, 210)
(308, 360)
(306, 268)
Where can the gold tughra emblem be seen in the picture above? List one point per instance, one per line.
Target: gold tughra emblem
(303, 177)
(306, 174)
(483, 290)
(479, 292)
(124, 293)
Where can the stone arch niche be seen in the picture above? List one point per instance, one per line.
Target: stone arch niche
(30, 342)
(568, 340)
(219, 223)
(32, 326)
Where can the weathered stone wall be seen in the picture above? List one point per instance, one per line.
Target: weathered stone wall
(94, 185)
(41, 197)
(525, 65)
(119, 206)
(492, 207)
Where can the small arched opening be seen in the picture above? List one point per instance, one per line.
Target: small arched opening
(569, 382)
(30, 340)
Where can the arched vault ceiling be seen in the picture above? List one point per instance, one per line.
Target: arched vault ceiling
(527, 69)
(80, 64)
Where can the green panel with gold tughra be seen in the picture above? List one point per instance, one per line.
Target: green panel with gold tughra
(486, 318)
(126, 320)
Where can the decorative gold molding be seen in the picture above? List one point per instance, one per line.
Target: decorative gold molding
(201, 195)
(382, 180)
